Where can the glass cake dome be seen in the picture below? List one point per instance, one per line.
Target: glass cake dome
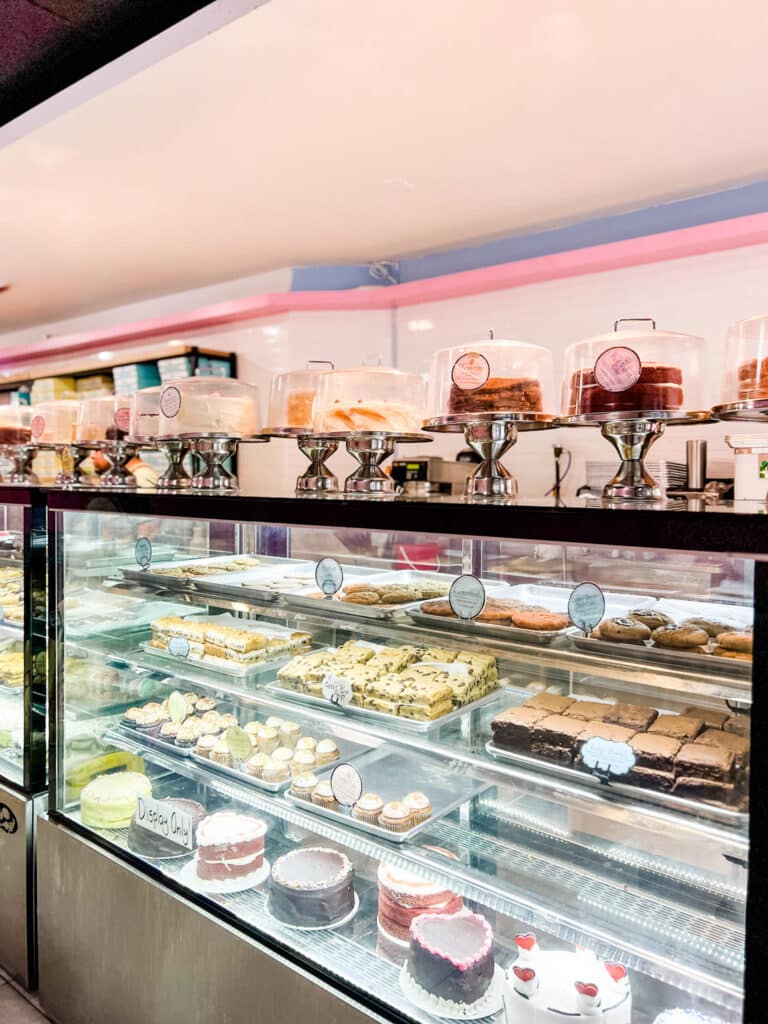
(746, 361)
(292, 397)
(203, 406)
(635, 371)
(55, 422)
(490, 378)
(15, 424)
(145, 414)
(369, 399)
(103, 419)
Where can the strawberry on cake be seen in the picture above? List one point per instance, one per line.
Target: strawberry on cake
(229, 846)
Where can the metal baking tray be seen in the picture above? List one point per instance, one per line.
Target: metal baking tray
(368, 715)
(248, 674)
(392, 773)
(259, 582)
(713, 812)
(347, 750)
(133, 733)
(474, 628)
(152, 578)
(370, 611)
(650, 654)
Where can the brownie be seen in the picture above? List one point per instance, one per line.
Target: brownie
(549, 702)
(588, 710)
(679, 727)
(557, 730)
(738, 745)
(694, 788)
(561, 755)
(633, 716)
(649, 779)
(738, 724)
(712, 719)
(605, 731)
(697, 760)
(512, 728)
(657, 752)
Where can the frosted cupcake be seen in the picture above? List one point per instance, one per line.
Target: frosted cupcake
(322, 795)
(419, 806)
(368, 808)
(303, 785)
(326, 751)
(395, 817)
(267, 736)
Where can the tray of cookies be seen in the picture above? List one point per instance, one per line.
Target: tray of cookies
(402, 794)
(421, 688)
(378, 595)
(696, 762)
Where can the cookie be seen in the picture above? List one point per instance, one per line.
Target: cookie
(723, 652)
(650, 618)
(355, 588)
(525, 618)
(736, 641)
(362, 597)
(437, 608)
(713, 627)
(680, 637)
(624, 631)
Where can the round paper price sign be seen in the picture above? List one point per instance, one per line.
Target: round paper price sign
(607, 757)
(586, 607)
(142, 552)
(178, 646)
(337, 689)
(177, 707)
(346, 784)
(170, 402)
(238, 743)
(470, 371)
(618, 368)
(329, 576)
(467, 597)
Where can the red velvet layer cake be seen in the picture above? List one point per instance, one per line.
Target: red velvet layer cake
(753, 380)
(658, 388)
(403, 896)
(229, 846)
(498, 394)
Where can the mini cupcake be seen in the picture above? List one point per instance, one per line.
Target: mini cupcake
(225, 721)
(212, 716)
(395, 817)
(220, 753)
(255, 765)
(419, 806)
(289, 733)
(210, 726)
(283, 754)
(205, 745)
(368, 808)
(275, 771)
(326, 751)
(205, 704)
(303, 761)
(274, 722)
(169, 731)
(322, 795)
(267, 736)
(252, 728)
(189, 732)
(304, 785)
(132, 716)
(306, 743)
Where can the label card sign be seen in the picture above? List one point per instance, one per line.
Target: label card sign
(470, 371)
(178, 646)
(123, 419)
(37, 426)
(467, 597)
(170, 822)
(586, 607)
(337, 689)
(329, 576)
(238, 743)
(346, 784)
(177, 707)
(606, 757)
(170, 402)
(142, 552)
(618, 368)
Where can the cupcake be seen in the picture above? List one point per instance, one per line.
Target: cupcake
(275, 771)
(395, 817)
(368, 808)
(205, 745)
(225, 721)
(255, 765)
(283, 754)
(274, 722)
(169, 731)
(268, 739)
(322, 795)
(252, 728)
(220, 753)
(210, 726)
(306, 743)
(189, 732)
(212, 716)
(289, 733)
(132, 716)
(303, 761)
(326, 751)
(419, 806)
(204, 704)
(304, 785)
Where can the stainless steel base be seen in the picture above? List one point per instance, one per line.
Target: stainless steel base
(370, 451)
(21, 457)
(317, 476)
(632, 439)
(214, 452)
(119, 454)
(18, 949)
(490, 439)
(175, 477)
(116, 946)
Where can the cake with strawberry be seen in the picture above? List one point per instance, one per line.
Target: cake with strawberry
(556, 985)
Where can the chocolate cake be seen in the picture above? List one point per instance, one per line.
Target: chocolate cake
(658, 388)
(312, 886)
(157, 847)
(498, 394)
(15, 435)
(451, 955)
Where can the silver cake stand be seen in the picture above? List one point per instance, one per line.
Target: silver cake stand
(370, 448)
(318, 448)
(213, 450)
(632, 434)
(20, 456)
(119, 452)
(490, 435)
(175, 450)
(754, 410)
(69, 474)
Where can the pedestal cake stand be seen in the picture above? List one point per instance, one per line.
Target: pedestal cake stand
(213, 450)
(20, 456)
(318, 448)
(370, 448)
(753, 410)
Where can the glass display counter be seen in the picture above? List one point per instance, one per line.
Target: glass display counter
(401, 744)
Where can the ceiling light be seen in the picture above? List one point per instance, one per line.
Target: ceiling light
(175, 344)
(105, 356)
(420, 325)
(270, 331)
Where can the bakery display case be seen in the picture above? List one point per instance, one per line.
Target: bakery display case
(22, 718)
(493, 787)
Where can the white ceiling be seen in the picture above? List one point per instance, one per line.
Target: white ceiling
(315, 132)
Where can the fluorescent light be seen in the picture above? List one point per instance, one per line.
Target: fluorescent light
(105, 356)
(420, 325)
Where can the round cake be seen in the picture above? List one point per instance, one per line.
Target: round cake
(547, 987)
(229, 846)
(312, 887)
(153, 845)
(450, 956)
(403, 896)
(109, 801)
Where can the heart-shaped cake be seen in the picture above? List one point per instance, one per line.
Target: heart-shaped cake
(451, 955)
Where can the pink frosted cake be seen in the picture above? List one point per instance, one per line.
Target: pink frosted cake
(229, 846)
(548, 987)
(450, 956)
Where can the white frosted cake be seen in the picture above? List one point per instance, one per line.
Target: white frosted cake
(208, 405)
(546, 987)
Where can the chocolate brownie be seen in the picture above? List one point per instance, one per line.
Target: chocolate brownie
(588, 710)
(648, 778)
(512, 728)
(554, 737)
(498, 394)
(605, 731)
(694, 788)
(549, 702)
(697, 760)
(679, 727)
(560, 755)
(712, 719)
(738, 724)
(738, 745)
(633, 716)
(657, 752)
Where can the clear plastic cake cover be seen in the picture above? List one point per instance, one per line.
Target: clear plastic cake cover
(292, 398)
(103, 419)
(634, 369)
(55, 422)
(15, 424)
(368, 399)
(746, 361)
(201, 406)
(145, 413)
(488, 378)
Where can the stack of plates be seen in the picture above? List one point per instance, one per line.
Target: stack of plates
(668, 475)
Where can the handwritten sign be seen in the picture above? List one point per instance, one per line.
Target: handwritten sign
(337, 689)
(606, 757)
(166, 820)
(467, 597)
(329, 576)
(586, 607)
(346, 784)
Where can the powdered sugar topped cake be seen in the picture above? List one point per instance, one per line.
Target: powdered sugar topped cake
(543, 987)
(229, 846)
